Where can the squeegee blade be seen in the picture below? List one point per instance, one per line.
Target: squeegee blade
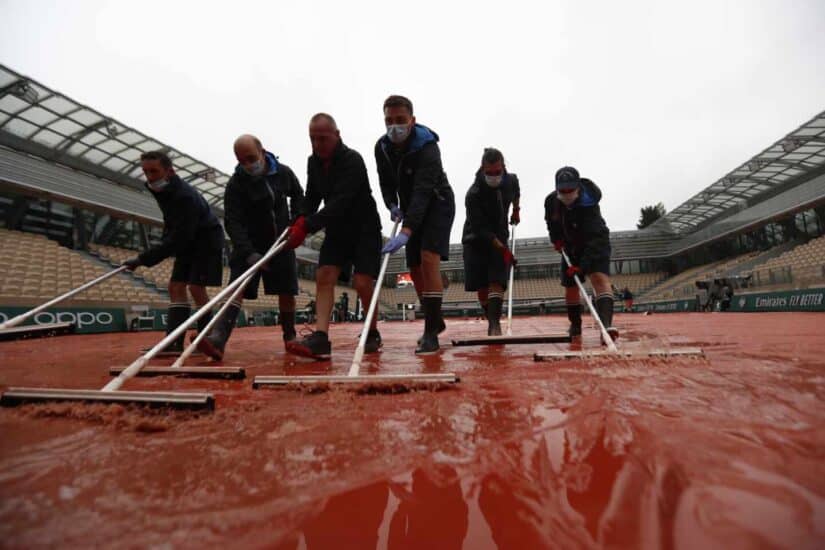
(178, 400)
(504, 340)
(622, 353)
(37, 331)
(440, 378)
(224, 373)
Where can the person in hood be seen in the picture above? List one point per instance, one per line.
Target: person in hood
(256, 213)
(487, 260)
(576, 226)
(191, 233)
(337, 176)
(417, 193)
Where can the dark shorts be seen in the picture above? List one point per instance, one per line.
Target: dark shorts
(281, 277)
(434, 233)
(482, 266)
(204, 266)
(601, 264)
(358, 250)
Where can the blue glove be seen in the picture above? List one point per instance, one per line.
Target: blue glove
(395, 243)
(396, 214)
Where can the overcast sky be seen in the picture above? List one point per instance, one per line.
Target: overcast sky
(652, 100)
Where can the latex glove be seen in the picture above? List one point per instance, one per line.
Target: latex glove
(395, 243)
(297, 233)
(253, 258)
(515, 217)
(558, 245)
(396, 215)
(509, 259)
(573, 270)
(132, 263)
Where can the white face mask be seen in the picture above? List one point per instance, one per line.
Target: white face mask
(158, 186)
(493, 181)
(569, 198)
(398, 133)
(254, 169)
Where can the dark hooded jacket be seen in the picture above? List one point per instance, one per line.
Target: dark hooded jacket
(255, 207)
(189, 225)
(412, 175)
(581, 227)
(487, 210)
(344, 187)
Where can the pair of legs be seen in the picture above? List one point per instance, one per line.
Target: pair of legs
(325, 278)
(603, 302)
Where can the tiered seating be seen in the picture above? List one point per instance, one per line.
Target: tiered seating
(806, 263)
(157, 275)
(676, 285)
(36, 268)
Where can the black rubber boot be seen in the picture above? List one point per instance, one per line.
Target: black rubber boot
(574, 314)
(203, 321)
(373, 343)
(316, 346)
(604, 307)
(494, 316)
(428, 343)
(177, 314)
(215, 342)
(288, 325)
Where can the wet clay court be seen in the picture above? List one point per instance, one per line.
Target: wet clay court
(726, 451)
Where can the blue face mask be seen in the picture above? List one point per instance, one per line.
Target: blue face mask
(398, 133)
(159, 185)
(255, 169)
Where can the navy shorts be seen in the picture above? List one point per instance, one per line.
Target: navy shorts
(483, 265)
(359, 250)
(434, 233)
(599, 264)
(280, 278)
(204, 266)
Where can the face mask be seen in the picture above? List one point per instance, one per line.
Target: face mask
(255, 169)
(398, 133)
(158, 186)
(569, 198)
(493, 181)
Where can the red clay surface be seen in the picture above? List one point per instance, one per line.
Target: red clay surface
(722, 452)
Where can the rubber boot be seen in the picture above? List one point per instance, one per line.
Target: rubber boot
(604, 307)
(288, 325)
(574, 314)
(428, 343)
(215, 342)
(316, 345)
(494, 306)
(177, 314)
(203, 321)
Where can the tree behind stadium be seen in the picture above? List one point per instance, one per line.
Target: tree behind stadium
(650, 214)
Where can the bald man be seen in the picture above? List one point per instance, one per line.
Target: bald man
(255, 213)
(337, 176)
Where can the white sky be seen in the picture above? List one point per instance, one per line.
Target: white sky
(652, 100)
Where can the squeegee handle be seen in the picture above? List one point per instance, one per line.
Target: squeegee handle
(362, 341)
(215, 318)
(510, 288)
(23, 316)
(141, 361)
(605, 336)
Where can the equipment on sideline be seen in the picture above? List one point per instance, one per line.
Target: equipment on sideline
(110, 392)
(509, 338)
(612, 350)
(391, 380)
(7, 332)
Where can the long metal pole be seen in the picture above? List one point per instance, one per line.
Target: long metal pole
(23, 316)
(510, 289)
(362, 341)
(605, 336)
(141, 361)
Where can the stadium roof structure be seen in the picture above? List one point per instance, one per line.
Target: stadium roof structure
(41, 122)
(799, 153)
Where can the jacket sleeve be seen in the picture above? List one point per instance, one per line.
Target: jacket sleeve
(350, 175)
(554, 227)
(312, 198)
(480, 226)
(427, 177)
(516, 189)
(386, 179)
(178, 236)
(296, 196)
(235, 223)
